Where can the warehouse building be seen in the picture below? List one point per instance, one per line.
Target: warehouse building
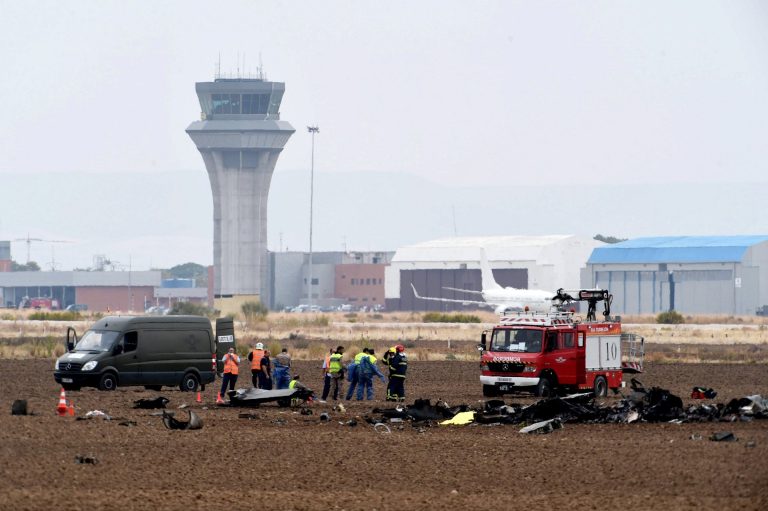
(442, 268)
(690, 274)
(99, 291)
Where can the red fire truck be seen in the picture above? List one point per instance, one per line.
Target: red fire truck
(548, 352)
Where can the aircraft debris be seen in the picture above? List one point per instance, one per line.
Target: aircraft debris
(170, 422)
(19, 407)
(150, 404)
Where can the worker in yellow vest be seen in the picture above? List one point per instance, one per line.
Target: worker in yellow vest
(231, 369)
(336, 370)
(255, 356)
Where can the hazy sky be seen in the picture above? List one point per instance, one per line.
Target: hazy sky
(463, 92)
(469, 95)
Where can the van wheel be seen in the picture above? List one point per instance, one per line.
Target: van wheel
(544, 387)
(189, 383)
(601, 387)
(490, 391)
(108, 381)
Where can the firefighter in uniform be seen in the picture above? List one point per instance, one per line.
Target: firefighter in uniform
(398, 365)
(255, 357)
(231, 361)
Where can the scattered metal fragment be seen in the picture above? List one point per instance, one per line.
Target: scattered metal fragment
(149, 404)
(249, 416)
(696, 436)
(170, 422)
(324, 417)
(97, 414)
(127, 423)
(723, 436)
(381, 428)
(86, 460)
(306, 411)
(19, 407)
(543, 427)
(703, 393)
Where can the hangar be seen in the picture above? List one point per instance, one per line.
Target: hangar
(690, 274)
(523, 262)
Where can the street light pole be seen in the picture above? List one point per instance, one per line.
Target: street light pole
(312, 130)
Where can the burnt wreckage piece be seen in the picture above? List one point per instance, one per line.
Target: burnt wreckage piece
(151, 404)
(642, 405)
(194, 422)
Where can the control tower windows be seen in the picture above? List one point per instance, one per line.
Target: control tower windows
(226, 103)
(255, 103)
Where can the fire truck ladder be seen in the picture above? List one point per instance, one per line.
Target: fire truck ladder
(632, 353)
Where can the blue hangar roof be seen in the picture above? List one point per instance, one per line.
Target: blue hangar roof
(676, 249)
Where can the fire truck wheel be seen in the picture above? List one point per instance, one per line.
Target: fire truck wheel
(490, 391)
(601, 387)
(544, 388)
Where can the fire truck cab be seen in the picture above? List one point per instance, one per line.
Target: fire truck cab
(545, 353)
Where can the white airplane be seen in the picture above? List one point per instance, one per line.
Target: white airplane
(501, 299)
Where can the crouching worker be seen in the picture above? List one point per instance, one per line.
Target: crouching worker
(231, 362)
(301, 390)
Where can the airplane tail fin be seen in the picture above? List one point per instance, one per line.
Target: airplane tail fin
(488, 281)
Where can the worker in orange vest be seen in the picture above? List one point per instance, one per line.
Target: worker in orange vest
(326, 376)
(231, 368)
(255, 357)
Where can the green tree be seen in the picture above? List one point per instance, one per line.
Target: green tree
(189, 309)
(188, 271)
(608, 239)
(30, 266)
(671, 317)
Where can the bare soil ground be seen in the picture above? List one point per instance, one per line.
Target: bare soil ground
(284, 460)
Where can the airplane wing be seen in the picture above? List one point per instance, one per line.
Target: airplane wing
(466, 302)
(470, 291)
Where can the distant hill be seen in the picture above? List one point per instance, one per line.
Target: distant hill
(165, 218)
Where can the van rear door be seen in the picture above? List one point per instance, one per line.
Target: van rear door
(225, 339)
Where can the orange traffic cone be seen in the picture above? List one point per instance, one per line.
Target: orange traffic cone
(219, 401)
(61, 409)
(71, 409)
(199, 399)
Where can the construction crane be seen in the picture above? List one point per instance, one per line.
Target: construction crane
(29, 241)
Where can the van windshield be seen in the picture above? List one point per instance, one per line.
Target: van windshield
(97, 340)
(520, 341)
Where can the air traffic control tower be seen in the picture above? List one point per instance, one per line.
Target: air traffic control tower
(240, 135)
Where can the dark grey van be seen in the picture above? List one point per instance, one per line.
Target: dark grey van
(152, 351)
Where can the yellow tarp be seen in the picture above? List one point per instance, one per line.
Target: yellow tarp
(460, 419)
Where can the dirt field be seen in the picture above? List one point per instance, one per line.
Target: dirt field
(284, 460)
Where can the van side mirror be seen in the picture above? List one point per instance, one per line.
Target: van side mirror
(71, 338)
(483, 342)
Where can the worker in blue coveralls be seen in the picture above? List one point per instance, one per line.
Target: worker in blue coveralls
(282, 372)
(366, 369)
